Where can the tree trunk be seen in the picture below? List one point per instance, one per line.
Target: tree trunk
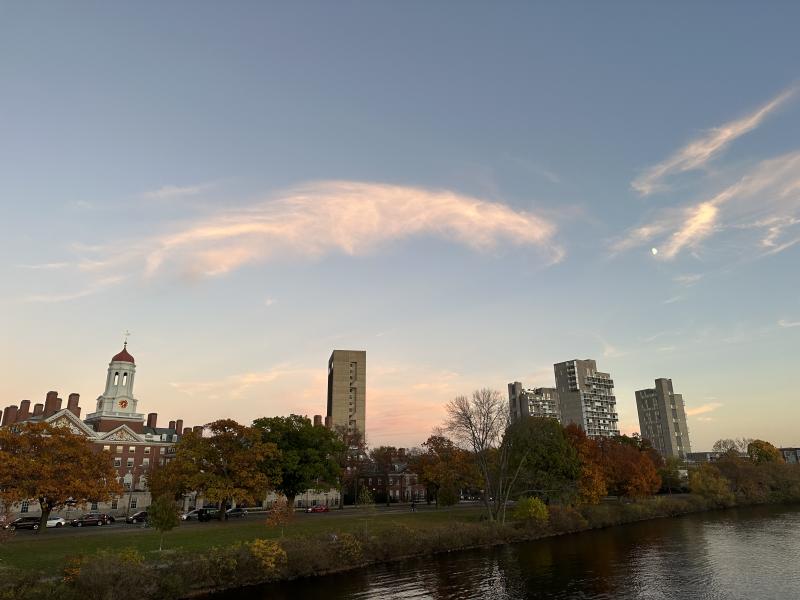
(46, 510)
(290, 503)
(221, 514)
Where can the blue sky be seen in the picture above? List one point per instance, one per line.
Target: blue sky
(469, 192)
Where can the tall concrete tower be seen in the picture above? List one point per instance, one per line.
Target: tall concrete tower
(347, 387)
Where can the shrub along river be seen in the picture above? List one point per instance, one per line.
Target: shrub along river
(739, 553)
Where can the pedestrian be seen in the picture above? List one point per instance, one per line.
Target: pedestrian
(413, 506)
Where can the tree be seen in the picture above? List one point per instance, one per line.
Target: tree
(351, 458)
(591, 482)
(444, 469)
(548, 464)
(670, 474)
(51, 465)
(761, 452)
(280, 513)
(307, 456)
(227, 466)
(628, 467)
(163, 516)
(708, 482)
(478, 423)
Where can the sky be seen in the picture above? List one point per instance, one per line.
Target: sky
(469, 192)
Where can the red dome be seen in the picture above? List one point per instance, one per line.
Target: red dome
(123, 356)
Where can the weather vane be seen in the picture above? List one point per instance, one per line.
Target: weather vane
(126, 333)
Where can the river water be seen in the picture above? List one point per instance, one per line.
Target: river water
(751, 553)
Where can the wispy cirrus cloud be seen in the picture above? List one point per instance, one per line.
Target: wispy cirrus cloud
(308, 222)
(700, 151)
(90, 289)
(703, 409)
(688, 279)
(170, 192)
(766, 200)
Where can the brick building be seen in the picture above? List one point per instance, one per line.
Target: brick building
(135, 444)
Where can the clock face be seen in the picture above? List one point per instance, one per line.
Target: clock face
(123, 403)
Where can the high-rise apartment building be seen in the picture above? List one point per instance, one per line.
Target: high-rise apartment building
(662, 419)
(536, 402)
(347, 387)
(587, 397)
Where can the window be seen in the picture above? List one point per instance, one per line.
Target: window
(161, 451)
(134, 503)
(125, 379)
(145, 462)
(116, 378)
(106, 448)
(119, 449)
(117, 462)
(147, 450)
(24, 508)
(130, 463)
(94, 505)
(132, 449)
(114, 504)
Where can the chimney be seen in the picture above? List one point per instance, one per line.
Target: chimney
(52, 404)
(24, 412)
(329, 422)
(6, 414)
(72, 404)
(187, 430)
(198, 429)
(10, 415)
(152, 419)
(38, 409)
(172, 424)
(179, 426)
(317, 420)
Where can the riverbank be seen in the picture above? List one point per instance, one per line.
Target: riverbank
(347, 543)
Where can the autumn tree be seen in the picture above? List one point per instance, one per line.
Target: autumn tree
(628, 467)
(761, 452)
(591, 481)
(307, 454)
(49, 464)
(226, 466)
(708, 482)
(444, 469)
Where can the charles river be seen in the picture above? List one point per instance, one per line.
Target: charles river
(749, 553)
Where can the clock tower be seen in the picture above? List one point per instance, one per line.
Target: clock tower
(117, 405)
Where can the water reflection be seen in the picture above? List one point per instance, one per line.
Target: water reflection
(737, 554)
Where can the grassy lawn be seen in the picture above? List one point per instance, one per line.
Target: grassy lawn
(47, 552)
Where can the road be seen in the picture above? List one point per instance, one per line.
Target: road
(120, 527)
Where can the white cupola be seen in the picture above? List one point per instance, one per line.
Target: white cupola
(117, 399)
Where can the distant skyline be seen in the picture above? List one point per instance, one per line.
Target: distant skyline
(469, 195)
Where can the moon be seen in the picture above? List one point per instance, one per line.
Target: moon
(654, 251)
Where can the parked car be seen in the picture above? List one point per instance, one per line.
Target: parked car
(137, 517)
(191, 515)
(319, 508)
(97, 519)
(207, 514)
(23, 523)
(232, 513)
(56, 522)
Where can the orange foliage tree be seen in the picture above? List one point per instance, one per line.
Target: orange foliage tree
(592, 481)
(628, 467)
(230, 464)
(49, 464)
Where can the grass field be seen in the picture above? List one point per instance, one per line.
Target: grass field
(48, 551)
